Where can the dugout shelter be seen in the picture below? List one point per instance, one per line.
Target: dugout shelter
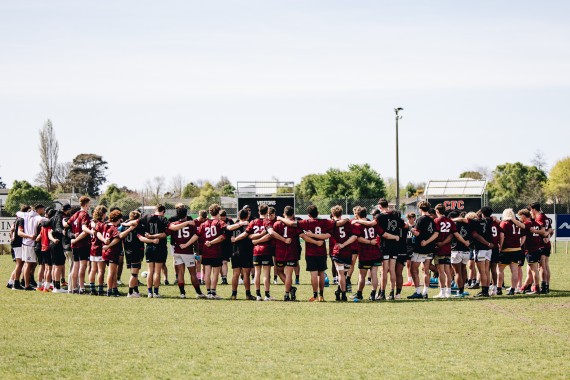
(457, 194)
(278, 194)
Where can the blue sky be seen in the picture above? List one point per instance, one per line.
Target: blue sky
(262, 89)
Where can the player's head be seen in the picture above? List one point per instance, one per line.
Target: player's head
(535, 206)
(99, 213)
(383, 203)
(50, 213)
(25, 208)
(40, 209)
(362, 212)
(336, 211)
(432, 213)
(289, 212)
(313, 211)
(355, 210)
(375, 213)
(74, 210)
(160, 209)
(134, 215)
(202, 214)
(65, 209)
(411, 216)
(179, 205)
(115, 208)
(181, 212)
(524, 214)
(508, 214)
(453, 214)
(462, 214)
(214, 209)
(223, 215)
(471, 215)
(263, 209)
(424, 206)
(84, 201)
(486, 211)
(115, 216)
(243, 214)
(440, 209)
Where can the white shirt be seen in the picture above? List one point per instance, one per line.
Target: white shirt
(31, 221)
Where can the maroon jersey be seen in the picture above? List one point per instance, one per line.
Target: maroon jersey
(286, 252)
(201, 240)
(210, 230)
(96, 243)
(182, 236)
(496, 233)
(45, 237)
(533, 241)
(316, 226)
(354, 246)
(544, 222)
(77, 221)
(445, 227)
(512, 233)
(369, 252)
(339, 236)
(258, 226)
(111, 232)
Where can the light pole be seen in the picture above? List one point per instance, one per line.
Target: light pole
(398, 117)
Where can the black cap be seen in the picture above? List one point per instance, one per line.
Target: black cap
(66, 207)
(246, 206)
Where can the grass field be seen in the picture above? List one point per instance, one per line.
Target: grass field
(44, 335)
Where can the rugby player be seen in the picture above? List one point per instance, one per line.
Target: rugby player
(460, 251)
(17, 237)
(425, 234)
(96, 253)
(545, 223)
(446, 229)
(242, 256)
(511, 251)
(532, 244)
(80, 245)
(112, 250)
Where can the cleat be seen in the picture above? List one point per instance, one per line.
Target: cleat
(321, 299)
(149, 295)
(134, 295)
(337, 295)
(440, 295)
(269, 298)
(356, 298)
(297, 282)
(201, 296)
(398, 297)
(459, 295)
(93, 293)
(224, 281)
(327, 281)
(499, 291)
(59, 291)
(40, 289)
(119, 282)
(335, 281)
(382, 297)
(425, 296)
(343, 298)
(293, 293)
(9, 286)
(481, 294)
(250, 298)
(29, 288)
(216, 297)
(157, 295)
(258, 298)
(368, 283)
(286, 299)
(182, 295)
(233, 298)
(240, 281)
(313, 299)
(409, 283)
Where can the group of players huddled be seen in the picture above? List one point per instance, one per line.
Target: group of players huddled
(446, 243)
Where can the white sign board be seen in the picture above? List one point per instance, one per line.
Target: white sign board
(5, 225)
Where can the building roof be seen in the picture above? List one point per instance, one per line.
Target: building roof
(463, 187)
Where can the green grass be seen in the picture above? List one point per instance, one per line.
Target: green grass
(61, 336)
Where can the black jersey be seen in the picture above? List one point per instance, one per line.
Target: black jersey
(131, 242)
(154, 224)
(426, 227)
(227, 242)
(463, 229)
(390, 222)
(244, 246)
(17, 239)
(484, 228)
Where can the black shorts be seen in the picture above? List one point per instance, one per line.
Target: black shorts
(545, 251)
(81, 253)
(518, 258)
(342, 260)
(240, 260)
(442, 260)
(505, 258)
(40, 256)
(265, 260)
(156, 253)
(390, 256)
(369, 264)
(533, 257)
(212, 262)
(57, 255)
(112, 258)
(227, 254)
(134, 259)
(316, 263)
(282, 264)
(495, 256)
(47, 257)
(403, 258)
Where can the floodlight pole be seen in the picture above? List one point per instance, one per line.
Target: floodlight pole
(396, 110)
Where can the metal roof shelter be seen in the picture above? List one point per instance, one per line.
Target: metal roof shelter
(463, 187)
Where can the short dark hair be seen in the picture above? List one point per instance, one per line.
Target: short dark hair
(453, 214)
(440, 208)
(181, 212)
(486, 211)
(263, 209)
(203, 214)
(115, 216)
(114, 208)
(84, 200)
(50, 213)
(243, 213)
(535, 206)
(362, 212)
(375, 212)
(382, 202)
(25, 208)
(271, 210)
(39, 207)
(424, 206)
(214, 209)
(289, 211)
(160, 208)
(313, 211)
(223, 213)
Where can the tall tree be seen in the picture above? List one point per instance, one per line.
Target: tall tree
(471, 174)
(558, 184)
(539, 160)
(87, 173)
(516, 183)
(208, 195)
(177, 185)
(155, 188)
(22, 192)
(190, 190)
(49, 151)
(62, 177)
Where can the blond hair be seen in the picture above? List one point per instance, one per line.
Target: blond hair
(508, 214)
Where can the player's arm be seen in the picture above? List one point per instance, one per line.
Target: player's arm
(287, 222)
(146, 240)
(124, 234)
(237, 225)
(367, 223)
(179, 226)
(101, 237)
(161, 235)
(366, 241)
(430, 240)
(22, 234)
(501, 240)
(263, 239)
(113, 243)
(388, 236)
(462, 220)
(461, 240)
(445, 242)
(482, 240)
(272, 233)
(318, 236)
(192, 240)
(342, 222)
(51, 238)
(241, 236)
(217, 240)
(258, 235)
(86, 229)
(350, 240)
(523, 239)
(539, 231)
(309, 239)
(81, 236)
